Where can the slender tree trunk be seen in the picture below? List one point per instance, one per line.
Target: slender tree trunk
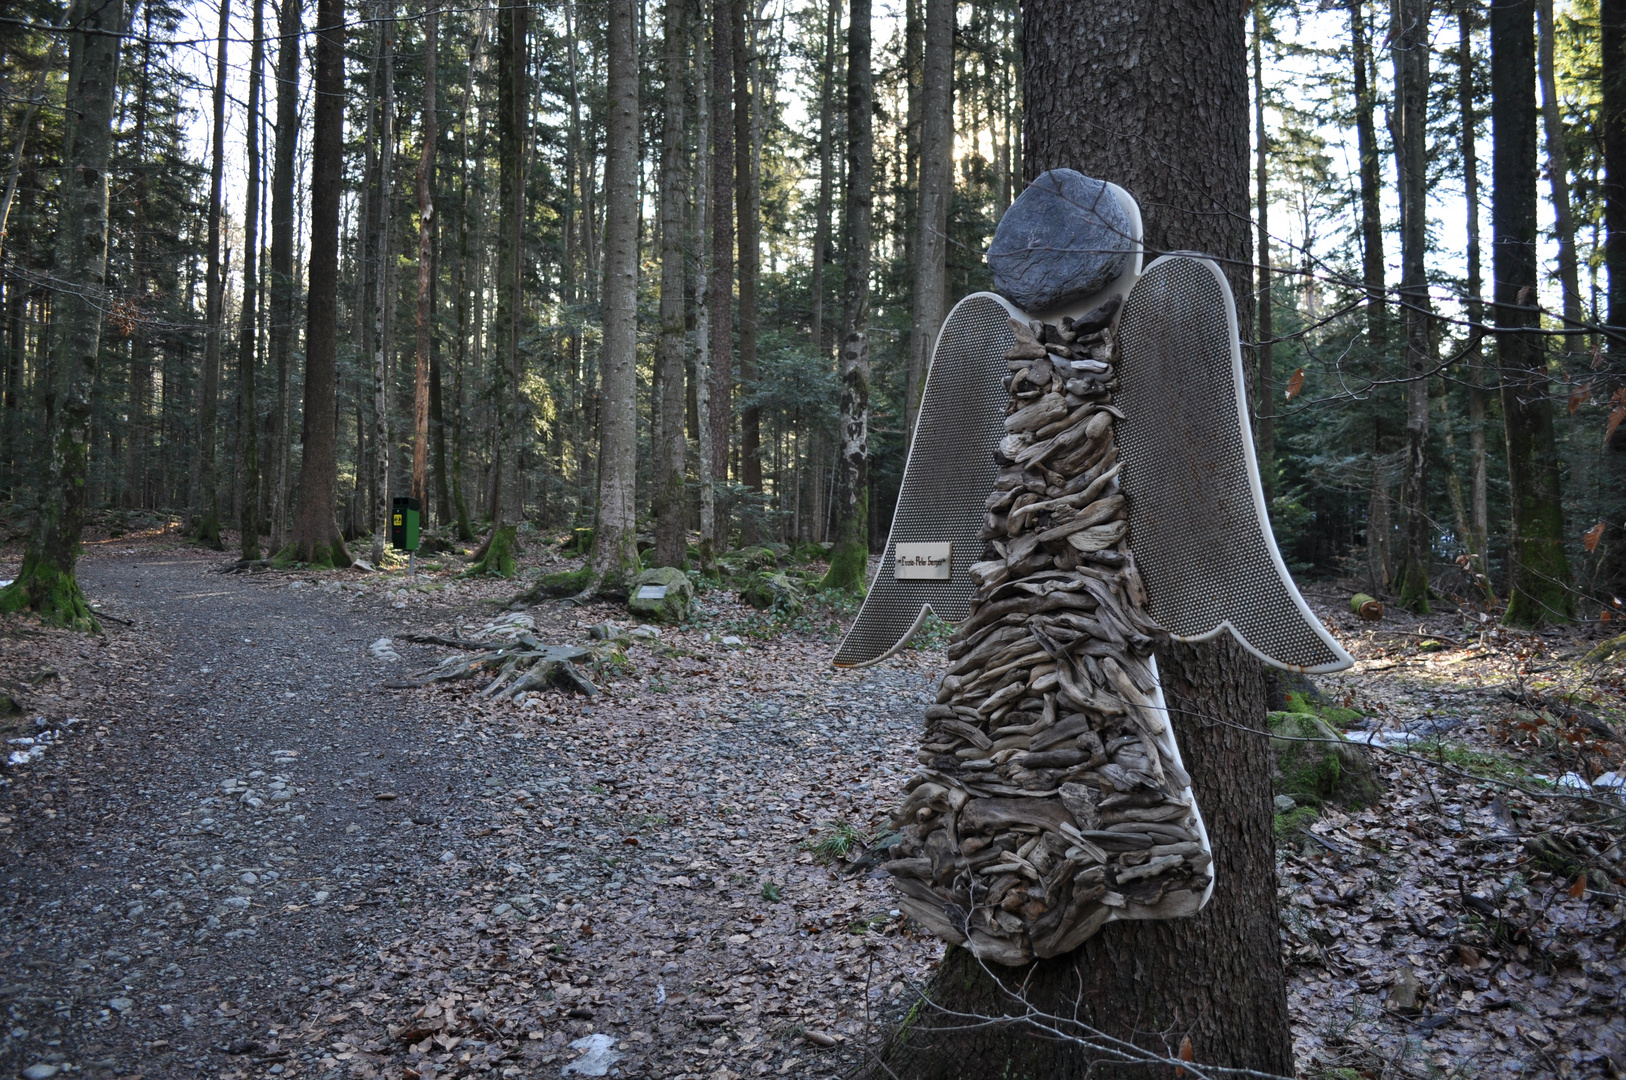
(248, 427)
(426, 265)
(1612, 17)
(1478, 495)
(705, 469)
(749, 200)
(1558, 173)
(671, 534)
(316, 536)
(849, 560)
(1154, 96)
(722, 249)
(1265, 422)
(46, 583)
(512, 101)
(1409, 44)
(1372, 273)
(206, 502)
(283, 281)
(615, 539)
(135, 453)
(382, 298)
(936, 180)
(1539, 589)
(821, 213)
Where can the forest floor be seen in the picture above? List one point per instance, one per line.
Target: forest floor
(232, 852)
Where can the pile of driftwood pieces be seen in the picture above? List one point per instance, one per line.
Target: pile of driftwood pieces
(507, 652)
(1052, 798)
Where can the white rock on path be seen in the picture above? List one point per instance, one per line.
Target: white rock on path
(384, 649)
(598, 1054)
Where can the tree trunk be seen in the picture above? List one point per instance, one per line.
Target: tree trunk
(283, 281)
(1539, 568)
(1154, 96)
(426, 265)
(1612, 17)
(1265, 388)
(46, 583)
(1409, 46)
(615, 539)
(1478, 495)
(821, 213)
(248, 414)
(382, 296)
(703, 158)
(141, 385)
(936, 178)
(722, 249)
(849, 560)
(512, 102)
(1372, 274)
(1558, 174)
(207, 496)
(749, 198)
(316, 536)
(671, 533)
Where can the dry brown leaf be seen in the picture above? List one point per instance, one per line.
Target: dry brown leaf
(1186, 1054)
(1591, 537)
(1295, 384)
(1578, 890)
(1579, 396)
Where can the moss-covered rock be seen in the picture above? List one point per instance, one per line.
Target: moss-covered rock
(776, 592)
(1315, 764)
(562, 583)
(661, 595)
(1316, 705)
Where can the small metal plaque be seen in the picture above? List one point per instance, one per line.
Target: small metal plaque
(652, 592)
(923, 562)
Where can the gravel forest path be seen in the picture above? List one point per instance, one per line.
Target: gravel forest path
(409, 885)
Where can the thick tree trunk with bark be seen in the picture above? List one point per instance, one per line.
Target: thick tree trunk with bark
(671, 532)
(1154, 96)
(748, 197)
(702, 302)
(930, 241)
(849, 560)
(248, 409)
(512, 99)
(425, 326)
(280, 332)
(206, 498)
(1409, 44)
(316, 537)
(615, 538)
(382, 295)
(1612, 17)
(46, 583)
(1265, 384)
(721, 303)
(1539, 591)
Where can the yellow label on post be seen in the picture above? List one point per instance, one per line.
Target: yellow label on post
(398, 519)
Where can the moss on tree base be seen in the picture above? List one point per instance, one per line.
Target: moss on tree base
(849, 564)
(498, 560)
(51, 593)
(1412, 587)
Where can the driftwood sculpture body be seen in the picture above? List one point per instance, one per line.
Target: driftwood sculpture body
(1121, 507)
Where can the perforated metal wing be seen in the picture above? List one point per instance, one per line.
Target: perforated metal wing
(1197, 521)
(949, 474)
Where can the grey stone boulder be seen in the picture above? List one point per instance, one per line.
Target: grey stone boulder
(1063, 238)
(660, 595)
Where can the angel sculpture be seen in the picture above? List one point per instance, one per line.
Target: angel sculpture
(1081, 487)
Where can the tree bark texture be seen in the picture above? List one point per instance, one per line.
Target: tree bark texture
(280, 331)
(703, 160)
(748, 196)
(425, 327)
(207, 496)
(671, 526)
(1612, 17)
(1474, 368)
(722, 247)
(1265, 417)
(1409, 45)
(821, 212)
(615, 539)
(316, 537)
(930, 239)
(1154, 97)
(248, 409)
(1539, 590)
(382, 295)
(849, 560)
(46, 583)
(1558, 172)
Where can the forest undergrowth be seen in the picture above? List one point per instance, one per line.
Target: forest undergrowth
(671, 874)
